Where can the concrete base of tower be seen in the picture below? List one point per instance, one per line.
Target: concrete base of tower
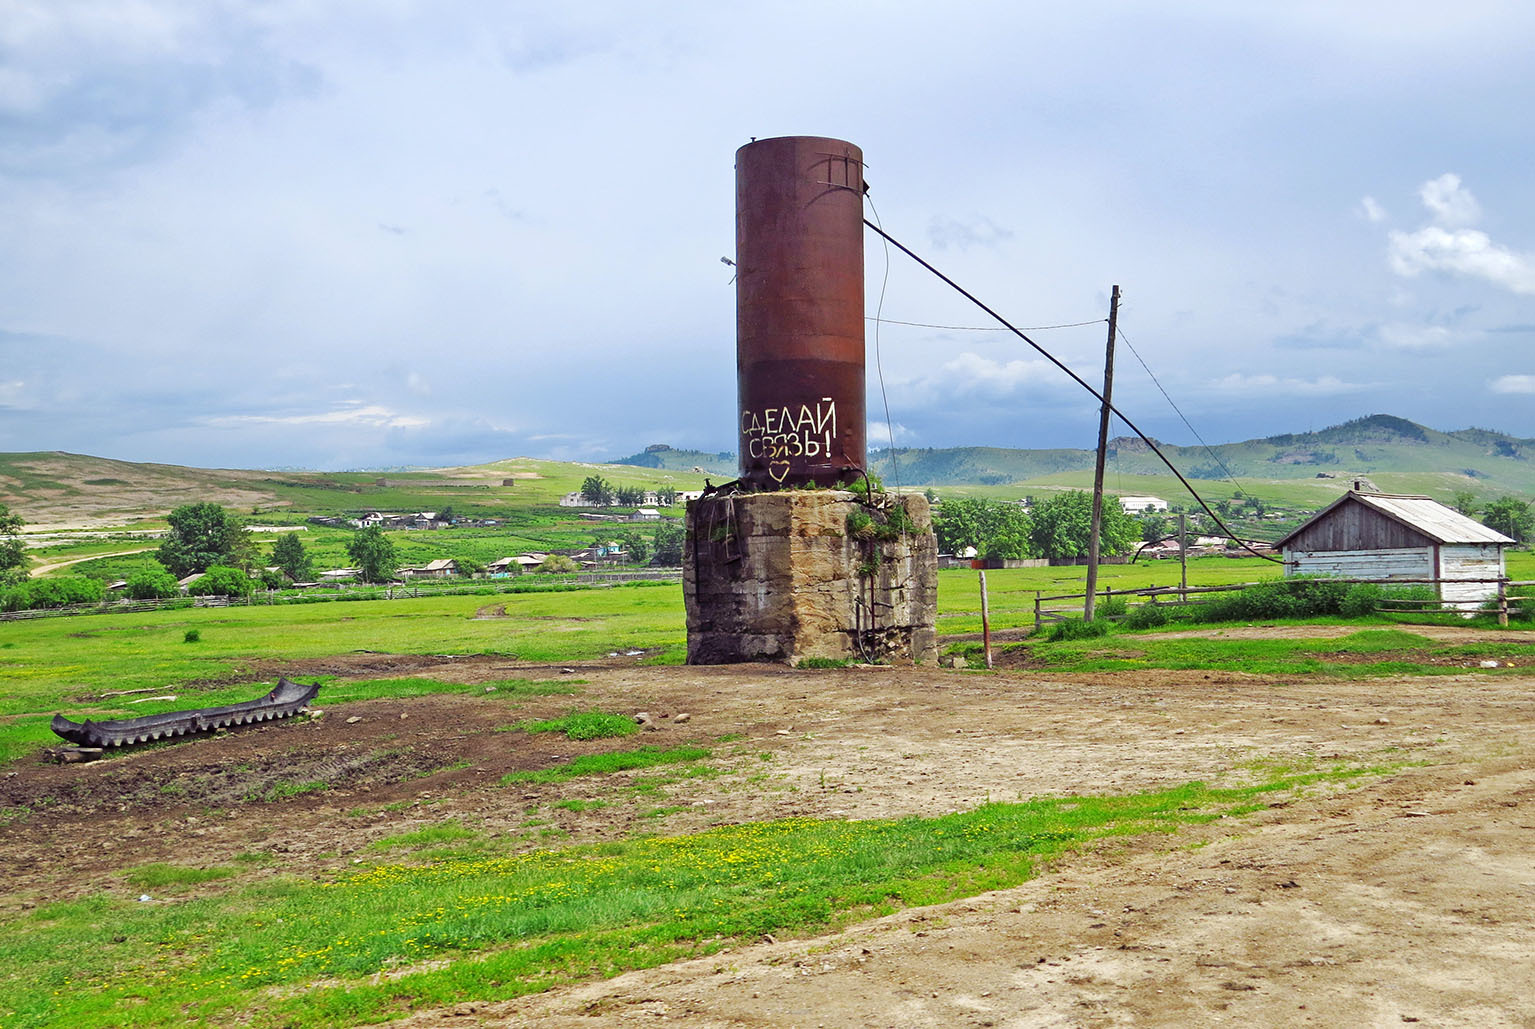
(801, 574)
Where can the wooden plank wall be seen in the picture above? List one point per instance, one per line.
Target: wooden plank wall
(1404, 563)
(1470, 561)
(1352, 526)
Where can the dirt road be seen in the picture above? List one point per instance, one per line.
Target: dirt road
(1404, 897)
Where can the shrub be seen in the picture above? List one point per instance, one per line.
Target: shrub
(1146, 616)
(222, 581)
(55, 592)
(1278, 598)
(191, 636)
(1110, 607)
(1361, 600)
(1077, 629)
(152, 582)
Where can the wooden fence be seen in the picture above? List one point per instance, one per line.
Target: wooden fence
(346, 592)
(1166, 594)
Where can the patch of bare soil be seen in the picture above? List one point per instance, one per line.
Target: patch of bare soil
(1402, 898)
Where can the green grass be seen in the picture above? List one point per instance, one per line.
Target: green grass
(300, 953)
(608, 764)
(159, 875)
(1011, 591)
(68, 664)
(1364, 654)
(430, 836)
(578, 805)
(585, 725)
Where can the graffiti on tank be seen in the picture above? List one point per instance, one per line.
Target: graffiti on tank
(778, 435)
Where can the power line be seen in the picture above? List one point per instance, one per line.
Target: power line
(978, 328)
(879, 368)
(1078, 380)
(1230, 477)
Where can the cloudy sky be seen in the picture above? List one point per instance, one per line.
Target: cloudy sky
(366, 233)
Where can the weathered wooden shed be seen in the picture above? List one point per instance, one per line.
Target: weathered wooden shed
(1384, 536)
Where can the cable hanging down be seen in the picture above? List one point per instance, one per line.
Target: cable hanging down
(1080, 382)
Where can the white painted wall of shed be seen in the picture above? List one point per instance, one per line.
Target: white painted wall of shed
(1405, 563)
(1470, 561)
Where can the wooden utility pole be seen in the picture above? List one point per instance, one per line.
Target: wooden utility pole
(985, 621)
(1183, 557)
(1103, 450)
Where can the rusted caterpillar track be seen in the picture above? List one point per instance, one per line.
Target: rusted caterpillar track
(285, 700)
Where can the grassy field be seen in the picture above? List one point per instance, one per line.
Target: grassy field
(446, 911)
(57, 664)
(467, 921)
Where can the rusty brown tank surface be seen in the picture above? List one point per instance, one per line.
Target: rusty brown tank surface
(799, 311)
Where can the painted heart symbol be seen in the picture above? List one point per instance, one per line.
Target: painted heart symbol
(779, 470)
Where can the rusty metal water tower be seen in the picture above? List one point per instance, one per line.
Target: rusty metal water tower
(771, 572)
(799, 312)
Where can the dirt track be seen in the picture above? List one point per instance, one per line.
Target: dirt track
(1407, 898)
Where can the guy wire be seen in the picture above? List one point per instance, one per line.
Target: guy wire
(1080, 382)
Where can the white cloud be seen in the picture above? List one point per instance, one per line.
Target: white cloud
(1326, 385)
(1449, 202)
(978, 231)
(1513, 384)
(370, 415)
(971, 373)
(1469, 252)
(881, 433)
(1372, 211)
(1418, 337)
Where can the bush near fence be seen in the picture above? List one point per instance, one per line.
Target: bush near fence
(1293, 598)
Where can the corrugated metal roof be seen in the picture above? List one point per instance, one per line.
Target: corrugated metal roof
(1432, 518)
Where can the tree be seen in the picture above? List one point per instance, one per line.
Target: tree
(596, 491)
(1063, 525)
(1153, 527)
(666, 496)
(446, 514)
(668, 541)
(1510, 516)
(202, 535)
(559, 564)
(958, 524)
(289, 556)
(13, 557)
(1464, 501)
(222, 581)
(152, 582)
(993, 528)
(1007, 528)
(373, 554)
(636, 546)
(630, 496)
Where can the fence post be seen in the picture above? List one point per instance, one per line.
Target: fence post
(985, 621)
(1038, 619)
(1503, 603)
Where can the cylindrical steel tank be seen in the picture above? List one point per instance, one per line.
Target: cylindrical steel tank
(799, 311)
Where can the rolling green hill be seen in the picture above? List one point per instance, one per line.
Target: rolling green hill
(1305, 468)
(1291, 475)
(55, 490)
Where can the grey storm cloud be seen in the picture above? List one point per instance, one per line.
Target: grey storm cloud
(345, 233)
